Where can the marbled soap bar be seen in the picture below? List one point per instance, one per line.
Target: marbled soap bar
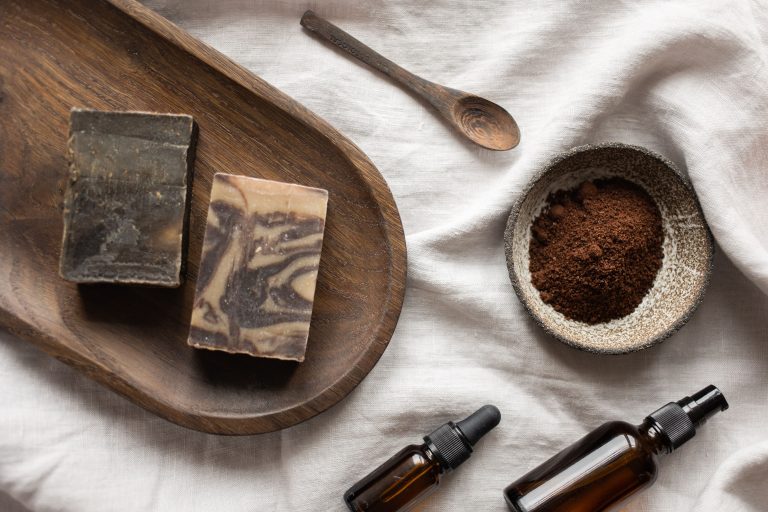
(261, 252)
(125, 206)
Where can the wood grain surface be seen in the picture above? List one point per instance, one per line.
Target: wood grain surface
(116, 54)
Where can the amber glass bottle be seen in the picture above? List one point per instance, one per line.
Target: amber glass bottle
(416, 470)
(614, 462)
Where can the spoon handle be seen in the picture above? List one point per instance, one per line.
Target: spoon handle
(360, 51)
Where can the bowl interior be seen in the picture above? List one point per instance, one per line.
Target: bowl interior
(688, 248)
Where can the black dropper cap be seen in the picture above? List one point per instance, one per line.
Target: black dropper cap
(452, 442)
(679, 420)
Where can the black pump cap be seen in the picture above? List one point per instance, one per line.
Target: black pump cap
(452, 442)
(703, 405)
(679, 420)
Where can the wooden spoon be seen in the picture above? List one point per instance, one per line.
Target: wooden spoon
(481, 121)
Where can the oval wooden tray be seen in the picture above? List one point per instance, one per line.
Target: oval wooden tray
(117, 54)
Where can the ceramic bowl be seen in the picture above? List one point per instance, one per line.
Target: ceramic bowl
(688, 247)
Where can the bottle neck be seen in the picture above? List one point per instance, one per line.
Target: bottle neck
(433, 460)
(653, 437)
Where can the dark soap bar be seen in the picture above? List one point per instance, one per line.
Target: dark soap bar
(261, 254)
(125, 207)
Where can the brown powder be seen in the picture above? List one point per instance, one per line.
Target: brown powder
(595, 250)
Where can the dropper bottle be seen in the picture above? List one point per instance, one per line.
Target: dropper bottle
(417, 470)
(603, 470)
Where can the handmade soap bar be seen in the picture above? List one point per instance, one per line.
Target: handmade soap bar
(261, 252)
(125, 203)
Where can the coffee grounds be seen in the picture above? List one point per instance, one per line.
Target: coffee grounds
(596, 249)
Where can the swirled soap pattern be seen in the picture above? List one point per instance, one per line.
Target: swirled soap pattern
(259, 265)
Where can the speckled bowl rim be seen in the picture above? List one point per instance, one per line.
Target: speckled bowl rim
(513, 217)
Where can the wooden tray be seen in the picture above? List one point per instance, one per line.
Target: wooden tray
(117, 54)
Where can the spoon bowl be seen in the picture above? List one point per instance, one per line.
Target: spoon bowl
(485, 123)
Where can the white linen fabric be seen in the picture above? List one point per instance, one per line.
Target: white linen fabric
(688, 79)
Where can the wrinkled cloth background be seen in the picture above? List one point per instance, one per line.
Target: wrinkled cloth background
(687, 79)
